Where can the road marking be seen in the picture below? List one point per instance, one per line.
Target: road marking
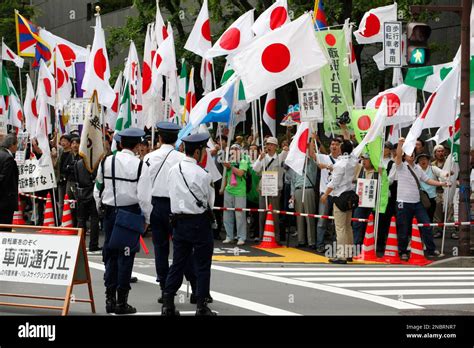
(421, 292)
(348, 268)
(159, 313)
(442, 301)
(341, 279)
(362, 273)
(324, 287)
(217, 296)
(405, 284)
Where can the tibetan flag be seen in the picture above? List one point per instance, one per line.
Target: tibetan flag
(320, 19)
(26, 33)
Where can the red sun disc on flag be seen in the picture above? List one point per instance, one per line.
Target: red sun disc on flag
(146, 77)
(19, 115)
(213, 104)
(203, 163)
(364, 123)
(47, 87)
(276, 58)
(271, 109)
(231, 39)
(100, 63)
(372, 26)
(164, 32)
(393, 103)
(278, 17)
(60, 77)
(115, 104)
(68, 54)
(303, 141)
(330, 39)
(34, 110)
(353, 56)
(206, 30)
(158, 61)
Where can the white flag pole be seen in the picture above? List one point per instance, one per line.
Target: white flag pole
(379, 188)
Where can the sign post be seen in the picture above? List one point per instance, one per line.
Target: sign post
(392, 44)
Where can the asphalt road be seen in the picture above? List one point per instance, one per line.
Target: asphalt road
(289, 289)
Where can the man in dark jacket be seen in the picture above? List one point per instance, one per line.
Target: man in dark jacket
(86, 204)
(8, 179)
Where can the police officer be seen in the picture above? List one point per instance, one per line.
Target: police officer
(160, 162)
(131, 176)
(191, 198)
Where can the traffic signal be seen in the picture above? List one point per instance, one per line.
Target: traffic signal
(418, 52)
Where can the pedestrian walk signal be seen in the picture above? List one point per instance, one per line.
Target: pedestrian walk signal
(418, 52)
(418, 56)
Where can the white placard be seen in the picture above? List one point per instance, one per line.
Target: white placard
(392, 44)
(20, 154)
(311, 104)
(269, 183)
(367, 191)
(76, 110)
(37, 258)
(3, 125)
(36, 175)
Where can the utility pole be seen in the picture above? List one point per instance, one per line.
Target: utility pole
(464, 11)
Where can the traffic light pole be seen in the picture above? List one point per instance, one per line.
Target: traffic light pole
(465, 133)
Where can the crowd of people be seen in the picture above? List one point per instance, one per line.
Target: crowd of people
(327, 183)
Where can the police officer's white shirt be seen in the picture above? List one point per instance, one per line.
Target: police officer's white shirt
(127, 192)
(199, 181)
(155, 161)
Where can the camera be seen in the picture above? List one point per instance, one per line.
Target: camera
(344, 118)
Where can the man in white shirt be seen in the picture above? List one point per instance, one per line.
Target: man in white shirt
(409, 203)
(126, 189)
(326, 165)
(342, 181)
(160, 162)
(271, 161)
(192, 200)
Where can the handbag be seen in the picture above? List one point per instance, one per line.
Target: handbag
(424, 198)
(128, 226)
(346, 201)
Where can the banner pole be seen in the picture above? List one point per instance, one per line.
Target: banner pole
(379, 188)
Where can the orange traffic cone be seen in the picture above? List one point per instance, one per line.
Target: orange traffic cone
(48, 220)
(18, 215)
(391, 248)
(67, 217)
(268, 240)
(417, 257)
(368, 248)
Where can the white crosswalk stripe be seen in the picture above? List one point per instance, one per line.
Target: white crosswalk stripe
(422, 286)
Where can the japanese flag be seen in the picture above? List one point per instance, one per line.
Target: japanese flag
(278, 58)
(30, 108)
(46, 81)
(97, 72)
(63, 82)
(206, 75)
(236, 37)
(112, 112)
(371, 25)
(133, 75)
(161, 32)
(199, 40)
(297, 154)
(350, 48)
(15, 112)
(269, 113)
(401, 104)
(164, 62)
(43, 127)
(8, 54)
(273, 18)
(439, 111)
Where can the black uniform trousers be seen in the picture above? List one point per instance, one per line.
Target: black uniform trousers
(161, 232)
(192, 232)
(118, 263)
